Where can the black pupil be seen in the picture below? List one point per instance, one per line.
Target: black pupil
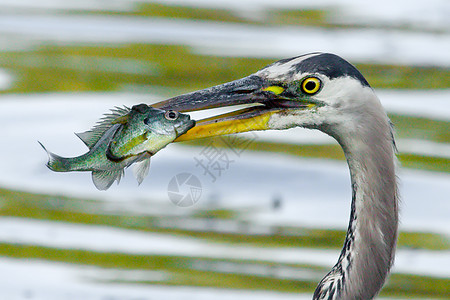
(310, 85)
(146, 120)
(172, 115)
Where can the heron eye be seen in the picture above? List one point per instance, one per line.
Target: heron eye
(171, 115)
(311, 85)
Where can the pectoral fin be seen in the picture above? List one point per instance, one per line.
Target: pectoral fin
(104, 179)
(140, 169)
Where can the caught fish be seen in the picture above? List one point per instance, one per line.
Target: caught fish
(122, 138)
(145, 131)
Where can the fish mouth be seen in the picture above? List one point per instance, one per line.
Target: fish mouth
(184, 127)
(263, 100)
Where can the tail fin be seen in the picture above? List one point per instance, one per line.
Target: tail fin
(55, 162)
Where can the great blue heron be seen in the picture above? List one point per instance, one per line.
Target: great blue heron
(323, 91)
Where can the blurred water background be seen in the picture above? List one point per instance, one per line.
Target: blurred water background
(270, 222)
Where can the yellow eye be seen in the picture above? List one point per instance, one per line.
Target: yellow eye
(311, 85)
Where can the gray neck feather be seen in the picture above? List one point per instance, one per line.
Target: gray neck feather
(369, 247)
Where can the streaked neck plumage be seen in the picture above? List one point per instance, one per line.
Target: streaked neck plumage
(369, 247)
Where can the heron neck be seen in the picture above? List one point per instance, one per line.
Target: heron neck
(369, 246)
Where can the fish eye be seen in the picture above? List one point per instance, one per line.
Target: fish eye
(311, 85)
(146, 120)
(171, 115)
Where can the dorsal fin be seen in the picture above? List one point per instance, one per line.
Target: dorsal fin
(91, 137)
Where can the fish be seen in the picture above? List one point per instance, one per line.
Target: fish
(122, 138)
(146, 130)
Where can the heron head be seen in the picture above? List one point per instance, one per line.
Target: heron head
(316, 90)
